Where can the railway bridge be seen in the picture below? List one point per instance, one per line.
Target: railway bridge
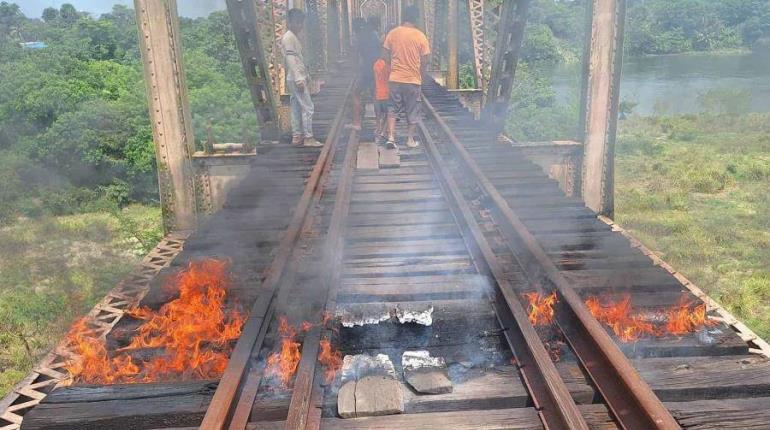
(472, 282)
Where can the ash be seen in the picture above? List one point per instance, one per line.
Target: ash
(412, 360)
(355, 367)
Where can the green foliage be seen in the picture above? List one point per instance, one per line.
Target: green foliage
(541, 46)
(467, 76)
(535, 114)
(73, 117)
(556, 28)
(694, 188)
(666, 27)
(732, 101)
(54, 269)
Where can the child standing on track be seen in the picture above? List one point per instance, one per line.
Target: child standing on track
(381, 98)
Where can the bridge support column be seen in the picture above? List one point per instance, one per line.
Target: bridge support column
(248, 38)
(510, 34)
(169, 110)
(602, 64)
(453, 36)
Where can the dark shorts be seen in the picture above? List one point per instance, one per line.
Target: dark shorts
(406, 99)
(365, 86)
(381, 108)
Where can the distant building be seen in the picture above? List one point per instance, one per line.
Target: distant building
(33, 45)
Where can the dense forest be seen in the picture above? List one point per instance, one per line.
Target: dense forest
(74, 128)
(78, 172)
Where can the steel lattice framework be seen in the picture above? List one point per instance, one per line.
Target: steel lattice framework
(476, 13)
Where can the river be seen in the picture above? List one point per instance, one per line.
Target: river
(674, 83)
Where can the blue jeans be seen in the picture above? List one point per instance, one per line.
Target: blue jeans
(302, 110)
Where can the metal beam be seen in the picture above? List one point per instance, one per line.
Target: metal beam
(439, 32)
(476, 15)
(244, 18)
(453, 38)
(315, 34)
(333, 32)
(278, 9)
(169, 111)
(510, 33)
(344, 26)
(429, 17)
(602, 65)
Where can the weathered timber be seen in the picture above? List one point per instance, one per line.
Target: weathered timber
(137, 406)
(367, 157)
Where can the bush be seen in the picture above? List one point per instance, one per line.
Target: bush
(535, 114)
(726, 100)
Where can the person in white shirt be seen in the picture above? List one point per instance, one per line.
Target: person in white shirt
(298, 82)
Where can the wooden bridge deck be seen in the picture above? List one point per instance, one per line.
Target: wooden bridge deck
(407, 237)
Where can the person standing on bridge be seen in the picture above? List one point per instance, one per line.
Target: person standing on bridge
(368, 49)
(298, 81)
(409, 49)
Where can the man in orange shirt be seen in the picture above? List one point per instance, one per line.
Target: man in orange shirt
(409, 49)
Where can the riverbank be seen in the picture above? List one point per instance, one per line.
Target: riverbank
(696, 190)
(53, 269)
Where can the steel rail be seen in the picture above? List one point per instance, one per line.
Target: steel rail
(629, 397)
(307, 392)
(550, 395)
(224, 402)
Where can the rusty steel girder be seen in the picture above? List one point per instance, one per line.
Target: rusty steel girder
(244, 16)
(510, 33)
(476, 14)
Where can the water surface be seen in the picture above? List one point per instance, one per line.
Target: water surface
(675, 83)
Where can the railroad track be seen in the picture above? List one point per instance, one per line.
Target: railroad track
(468, 226)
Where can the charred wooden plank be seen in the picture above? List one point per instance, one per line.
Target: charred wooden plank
(137, 406)
(700, 378)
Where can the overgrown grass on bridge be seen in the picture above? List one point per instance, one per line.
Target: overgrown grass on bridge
(697, 189)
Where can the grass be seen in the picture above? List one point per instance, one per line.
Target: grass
(697, 190)
(54, 269)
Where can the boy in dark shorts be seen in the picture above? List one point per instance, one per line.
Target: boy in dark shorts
(381, 98)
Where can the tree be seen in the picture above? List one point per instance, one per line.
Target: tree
(69, 15)
(50, 14)
(11, 20)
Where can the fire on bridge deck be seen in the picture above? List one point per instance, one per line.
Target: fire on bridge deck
(466, 283)
(404, 243)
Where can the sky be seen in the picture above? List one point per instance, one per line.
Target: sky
(189, 8)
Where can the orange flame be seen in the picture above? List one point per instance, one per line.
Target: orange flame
(540, 308)
(681, 319)
(193, 333)
(330, 359)
(284, 364)
(629, 326)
